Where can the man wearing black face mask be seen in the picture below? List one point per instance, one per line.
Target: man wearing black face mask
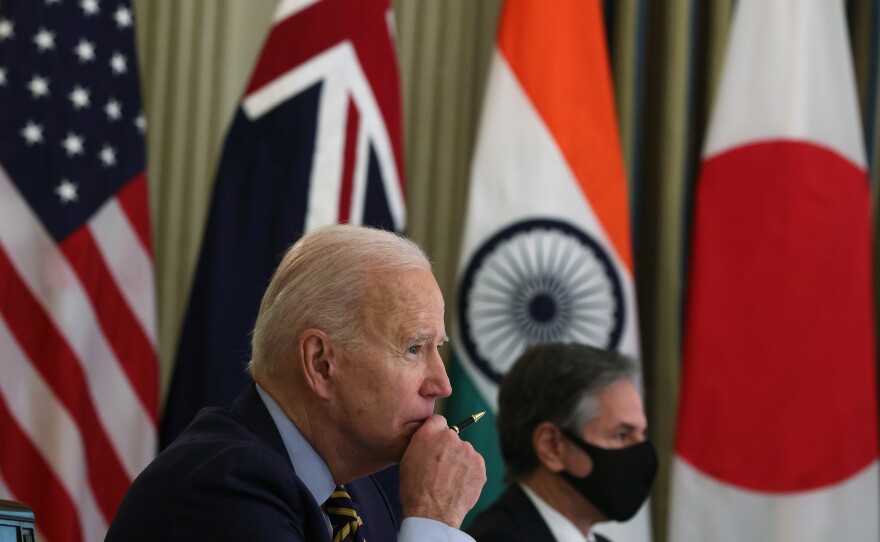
(572, 430)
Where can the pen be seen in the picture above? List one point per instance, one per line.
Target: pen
(467, 421)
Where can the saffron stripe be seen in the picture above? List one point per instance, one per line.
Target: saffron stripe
(573, 97)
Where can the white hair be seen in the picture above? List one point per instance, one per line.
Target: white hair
(322, 282)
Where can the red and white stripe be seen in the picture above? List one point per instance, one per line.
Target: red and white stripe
(79, 395)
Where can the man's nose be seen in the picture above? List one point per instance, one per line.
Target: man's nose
(436, 382)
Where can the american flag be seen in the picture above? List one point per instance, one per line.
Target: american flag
(78, 391)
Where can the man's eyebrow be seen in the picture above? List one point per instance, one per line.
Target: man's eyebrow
(419, 339)
(627, 426)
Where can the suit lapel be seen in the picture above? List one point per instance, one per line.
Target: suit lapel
(250, 408)
(524, 515)
(254, 414)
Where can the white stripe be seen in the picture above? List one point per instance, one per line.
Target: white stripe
(703, 508)
(373, 124)
(360, 176)
(788, 74)
(129, 263)
(340, 72)
(5, 492)
(391, 23)
(264, 99)
(325, 185)
(50, 428)
(288, 8)
(52, 281)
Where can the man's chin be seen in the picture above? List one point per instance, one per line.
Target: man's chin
(410, 428)
(406, 435)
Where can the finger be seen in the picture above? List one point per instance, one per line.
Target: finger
(439, 420)
(435, 422)
(430, 427)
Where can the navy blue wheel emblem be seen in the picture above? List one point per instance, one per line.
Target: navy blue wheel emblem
(537, 281)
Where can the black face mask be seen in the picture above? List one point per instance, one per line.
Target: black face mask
(620, 480)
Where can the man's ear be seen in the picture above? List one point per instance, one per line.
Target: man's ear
(549, 444)
(316, 355)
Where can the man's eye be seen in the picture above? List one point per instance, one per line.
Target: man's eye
(413, 350)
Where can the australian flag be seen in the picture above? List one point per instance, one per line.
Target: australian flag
(316, 141)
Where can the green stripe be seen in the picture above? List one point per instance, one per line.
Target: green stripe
(466, 400)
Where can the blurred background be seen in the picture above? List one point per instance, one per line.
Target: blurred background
(196, 57)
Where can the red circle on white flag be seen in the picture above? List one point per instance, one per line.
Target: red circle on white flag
(779, 382)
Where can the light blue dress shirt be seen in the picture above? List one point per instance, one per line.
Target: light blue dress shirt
(313, 472)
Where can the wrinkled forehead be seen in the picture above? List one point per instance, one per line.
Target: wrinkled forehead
(620, 402)
(403, 299)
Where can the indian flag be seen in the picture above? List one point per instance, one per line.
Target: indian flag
(546, 254)
(777, 436)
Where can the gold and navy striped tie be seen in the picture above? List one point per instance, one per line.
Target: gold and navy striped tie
(344, 517)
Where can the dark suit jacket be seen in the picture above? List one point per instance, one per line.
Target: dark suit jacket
(229, 477)
(513, 518)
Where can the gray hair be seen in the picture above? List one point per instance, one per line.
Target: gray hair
(323, 281)
(556, 383)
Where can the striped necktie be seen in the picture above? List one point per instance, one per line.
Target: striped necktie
(344, 517)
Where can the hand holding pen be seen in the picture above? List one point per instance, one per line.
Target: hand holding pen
(466, 422)
(441, 475)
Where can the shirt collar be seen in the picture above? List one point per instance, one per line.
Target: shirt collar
(562, 528)
(307, 464)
